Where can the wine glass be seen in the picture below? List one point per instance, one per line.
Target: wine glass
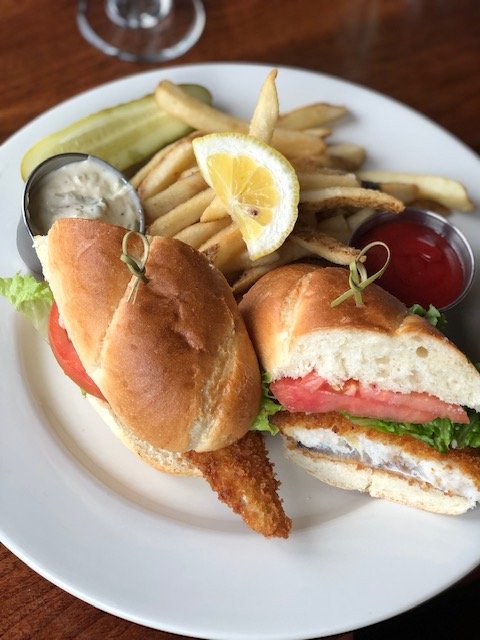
(141, 30)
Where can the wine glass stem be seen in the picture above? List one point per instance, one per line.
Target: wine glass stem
(135, 14)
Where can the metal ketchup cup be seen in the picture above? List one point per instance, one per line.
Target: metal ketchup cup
(26, 225)
(451, 234)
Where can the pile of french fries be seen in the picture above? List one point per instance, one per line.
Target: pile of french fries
(336, 195)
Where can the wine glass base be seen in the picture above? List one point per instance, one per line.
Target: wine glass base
(142, 38)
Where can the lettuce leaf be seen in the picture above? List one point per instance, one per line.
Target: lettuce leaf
(268, 407)
(432, 315)
(442, 434)
(31, 297)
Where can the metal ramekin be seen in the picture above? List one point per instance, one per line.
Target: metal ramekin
(452, 235)
(25, 233)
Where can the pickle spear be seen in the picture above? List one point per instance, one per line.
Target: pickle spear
(123, 135)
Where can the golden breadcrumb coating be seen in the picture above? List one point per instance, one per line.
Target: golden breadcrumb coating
(243, 477)
(466, 460)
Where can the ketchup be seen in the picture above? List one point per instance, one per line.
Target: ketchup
(423, 267)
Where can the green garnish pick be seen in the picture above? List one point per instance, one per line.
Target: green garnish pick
(135, 265)
(358, 279)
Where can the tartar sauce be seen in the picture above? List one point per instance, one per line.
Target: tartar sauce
(83, 189)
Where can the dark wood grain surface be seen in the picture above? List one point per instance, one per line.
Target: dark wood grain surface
(425, 53)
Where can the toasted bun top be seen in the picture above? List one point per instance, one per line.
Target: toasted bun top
(175, 363)
(295, 330)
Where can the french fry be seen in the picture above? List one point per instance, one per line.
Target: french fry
(291, 251)
(431, 205)
(142, 173)
(291, 142)
(242, 261)
(346, 156)
(336, 227)
(173, 99)
(355, 219)
(200, 232)
(189, 172)
(179, 157)
(206, 118)
(311, 218)
(288, 252)
(450, 193)
(324, 246)
(407, 193)
(334, 197)
(215, 211)
(320, 132)
(311, 115)
(265, 116)
(182, 216)
(313, 163)
(178, 192)
(247, 278)
(223, 247)
(327, 178)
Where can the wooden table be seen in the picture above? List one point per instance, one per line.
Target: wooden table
(425, 53)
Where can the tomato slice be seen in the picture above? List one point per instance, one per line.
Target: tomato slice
(67, 357)
(313, 394)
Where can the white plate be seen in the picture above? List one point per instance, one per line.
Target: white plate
(162, 551)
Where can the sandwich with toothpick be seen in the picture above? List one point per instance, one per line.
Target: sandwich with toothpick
(372, 396)
(151, 331)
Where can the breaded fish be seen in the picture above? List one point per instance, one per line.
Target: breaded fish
(242, 476)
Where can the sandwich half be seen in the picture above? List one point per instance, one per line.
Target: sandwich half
(374, 398)
(166, 358)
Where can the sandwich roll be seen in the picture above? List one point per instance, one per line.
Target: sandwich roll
(150, 330)
(373, 397)
(174, 362)
(376, 357)
(163, 460)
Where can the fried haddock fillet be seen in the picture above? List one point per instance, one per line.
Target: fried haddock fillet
(243, 477)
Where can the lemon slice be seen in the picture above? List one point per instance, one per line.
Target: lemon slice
(256, 184)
